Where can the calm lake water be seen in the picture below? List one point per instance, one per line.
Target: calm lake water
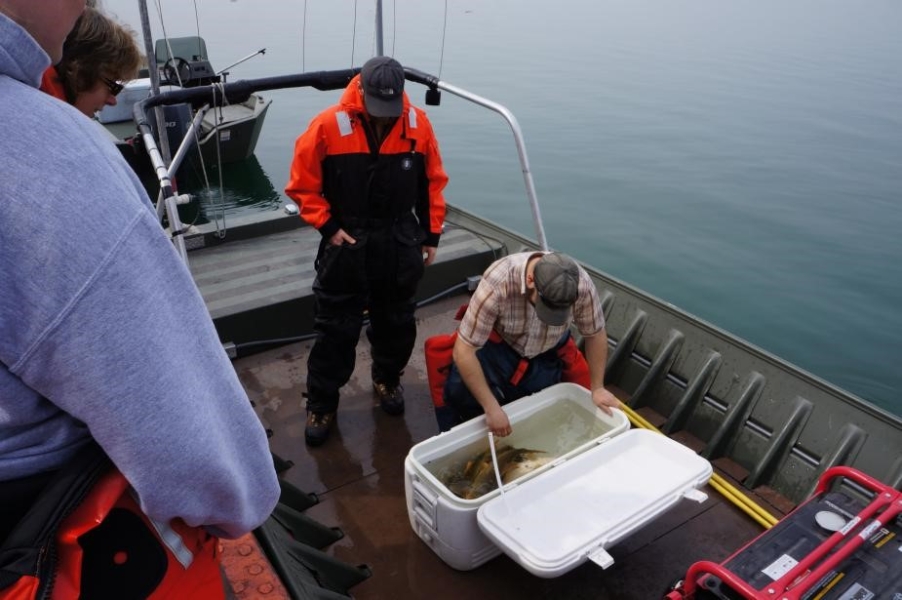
(741, 160)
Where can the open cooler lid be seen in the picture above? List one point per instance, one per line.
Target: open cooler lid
(559, 519)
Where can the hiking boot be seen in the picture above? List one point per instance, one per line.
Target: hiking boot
(391, 398)
(318, 427)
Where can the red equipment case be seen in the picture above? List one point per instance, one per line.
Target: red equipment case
(834, 546)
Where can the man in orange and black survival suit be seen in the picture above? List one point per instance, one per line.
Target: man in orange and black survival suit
(368, 175)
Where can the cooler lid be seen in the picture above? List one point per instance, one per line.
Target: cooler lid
(573, 512)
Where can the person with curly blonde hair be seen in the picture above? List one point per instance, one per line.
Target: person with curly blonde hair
(98, 56)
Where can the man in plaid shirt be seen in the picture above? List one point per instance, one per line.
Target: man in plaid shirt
(518, 320)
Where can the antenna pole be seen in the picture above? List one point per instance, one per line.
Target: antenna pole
(148, 49)
(154, 75)
(379, 51)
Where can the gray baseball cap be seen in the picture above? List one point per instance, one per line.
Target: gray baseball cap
(557, 280)
(383, 86)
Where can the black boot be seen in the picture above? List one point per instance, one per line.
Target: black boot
(391, 398)
(318, 427)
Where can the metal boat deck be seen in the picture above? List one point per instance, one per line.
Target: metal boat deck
(358, 476)
(258, 287)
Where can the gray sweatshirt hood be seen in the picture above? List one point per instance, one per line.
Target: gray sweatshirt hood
(22, 58)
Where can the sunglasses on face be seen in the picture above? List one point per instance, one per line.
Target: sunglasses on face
(114, 86)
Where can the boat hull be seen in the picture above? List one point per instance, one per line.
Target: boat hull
(235, 127)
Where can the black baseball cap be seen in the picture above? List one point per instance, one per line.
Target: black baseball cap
(383, 86)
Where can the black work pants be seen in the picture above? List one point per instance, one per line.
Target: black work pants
(379, 275)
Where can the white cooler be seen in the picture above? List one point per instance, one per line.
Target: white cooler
(609, 483)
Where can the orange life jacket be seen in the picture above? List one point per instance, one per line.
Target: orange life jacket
(87, 537)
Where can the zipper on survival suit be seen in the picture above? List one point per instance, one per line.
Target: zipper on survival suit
(77, 479)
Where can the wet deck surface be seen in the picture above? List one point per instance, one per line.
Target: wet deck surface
(251, 274)
(358, 475)
(259, 287)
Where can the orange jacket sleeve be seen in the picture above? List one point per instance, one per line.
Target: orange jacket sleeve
(305, 180)
(438, 179)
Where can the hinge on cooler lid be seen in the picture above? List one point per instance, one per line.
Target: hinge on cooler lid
(694, 494)
(601, 557)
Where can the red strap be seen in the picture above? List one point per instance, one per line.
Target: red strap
(520, 372)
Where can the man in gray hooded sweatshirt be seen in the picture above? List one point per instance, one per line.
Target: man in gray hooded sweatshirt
(103, 334)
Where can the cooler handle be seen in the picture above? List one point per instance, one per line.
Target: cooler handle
(424, 492)
(423, 517)
(424, 502)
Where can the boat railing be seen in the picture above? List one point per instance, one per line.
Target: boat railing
(202, 98)
(434, 83)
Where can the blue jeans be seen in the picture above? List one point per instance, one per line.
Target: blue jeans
(506, 378)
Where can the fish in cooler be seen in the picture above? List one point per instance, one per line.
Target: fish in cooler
(476, 477)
